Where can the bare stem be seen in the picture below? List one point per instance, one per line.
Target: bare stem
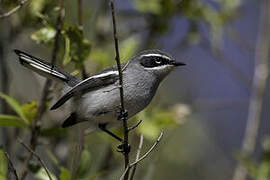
(149, 151)
(135, 126)
(123, 113)
(137, 157)
(143, 157)
(12, 11)
(37, 156)
(80, 23)
(11, 168)
(36, 123)
(261, 73)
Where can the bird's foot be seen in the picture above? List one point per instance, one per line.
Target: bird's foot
(123, 149)
(122, 115)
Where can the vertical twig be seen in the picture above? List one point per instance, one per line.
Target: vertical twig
(123, 113)
(36, 123)
(80, 23)
(80, 12)
(261, 73)
(137, 158)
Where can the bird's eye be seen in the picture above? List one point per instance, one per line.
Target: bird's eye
(158, 61)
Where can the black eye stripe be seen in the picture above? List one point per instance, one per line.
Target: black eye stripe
(154, 61)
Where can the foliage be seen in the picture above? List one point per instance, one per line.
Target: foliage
(3, 165)
(259, 170)
(157, 118)
(25, 112)
(77, 49)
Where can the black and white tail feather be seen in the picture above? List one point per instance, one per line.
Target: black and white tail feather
(46, 69)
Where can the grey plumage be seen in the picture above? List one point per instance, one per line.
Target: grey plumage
(97, 99)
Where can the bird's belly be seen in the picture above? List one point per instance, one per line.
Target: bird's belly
(103, 106)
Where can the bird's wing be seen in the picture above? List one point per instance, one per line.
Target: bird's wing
(92, 83)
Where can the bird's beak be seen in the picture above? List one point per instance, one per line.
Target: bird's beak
(178, 64)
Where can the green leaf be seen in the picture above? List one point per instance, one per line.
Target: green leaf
(36, 6)
(65, 174)
(57, 131)
(149, 6)
(42, 175)
(154, 121)
(15, 105)
(79, 46)
(67, 57)
(52, 157)
(12, 121)
(44, 35)
(85, 163)
(30, 110)
(3, 165)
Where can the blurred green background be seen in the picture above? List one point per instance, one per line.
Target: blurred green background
(202, 108)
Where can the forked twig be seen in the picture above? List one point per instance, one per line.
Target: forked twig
(143, 157)
(149, 151)
(37, 156)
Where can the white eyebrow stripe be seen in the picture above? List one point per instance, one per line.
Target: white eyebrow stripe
(157, 55)
(158, 67)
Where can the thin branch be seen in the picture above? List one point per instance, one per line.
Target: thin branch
(143, 157)
(80, 23)
(36, 123)
(135, 126)
(37, 156)
(124, 174)
(137, 157)
(12, 11)
(123, 113)
(80, 12)
(149, 151)
(11, 168)
(117, 56)
(261, 74)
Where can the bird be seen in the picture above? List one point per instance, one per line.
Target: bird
(96, 99)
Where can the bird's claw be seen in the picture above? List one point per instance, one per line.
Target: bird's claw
(123, 149)
(123, 115)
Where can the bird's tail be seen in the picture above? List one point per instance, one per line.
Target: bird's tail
(45, 69)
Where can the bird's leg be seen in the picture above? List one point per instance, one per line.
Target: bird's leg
(122, 115)
(121, 146)
(103, 128)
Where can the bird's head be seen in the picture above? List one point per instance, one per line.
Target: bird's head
(156, 62)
